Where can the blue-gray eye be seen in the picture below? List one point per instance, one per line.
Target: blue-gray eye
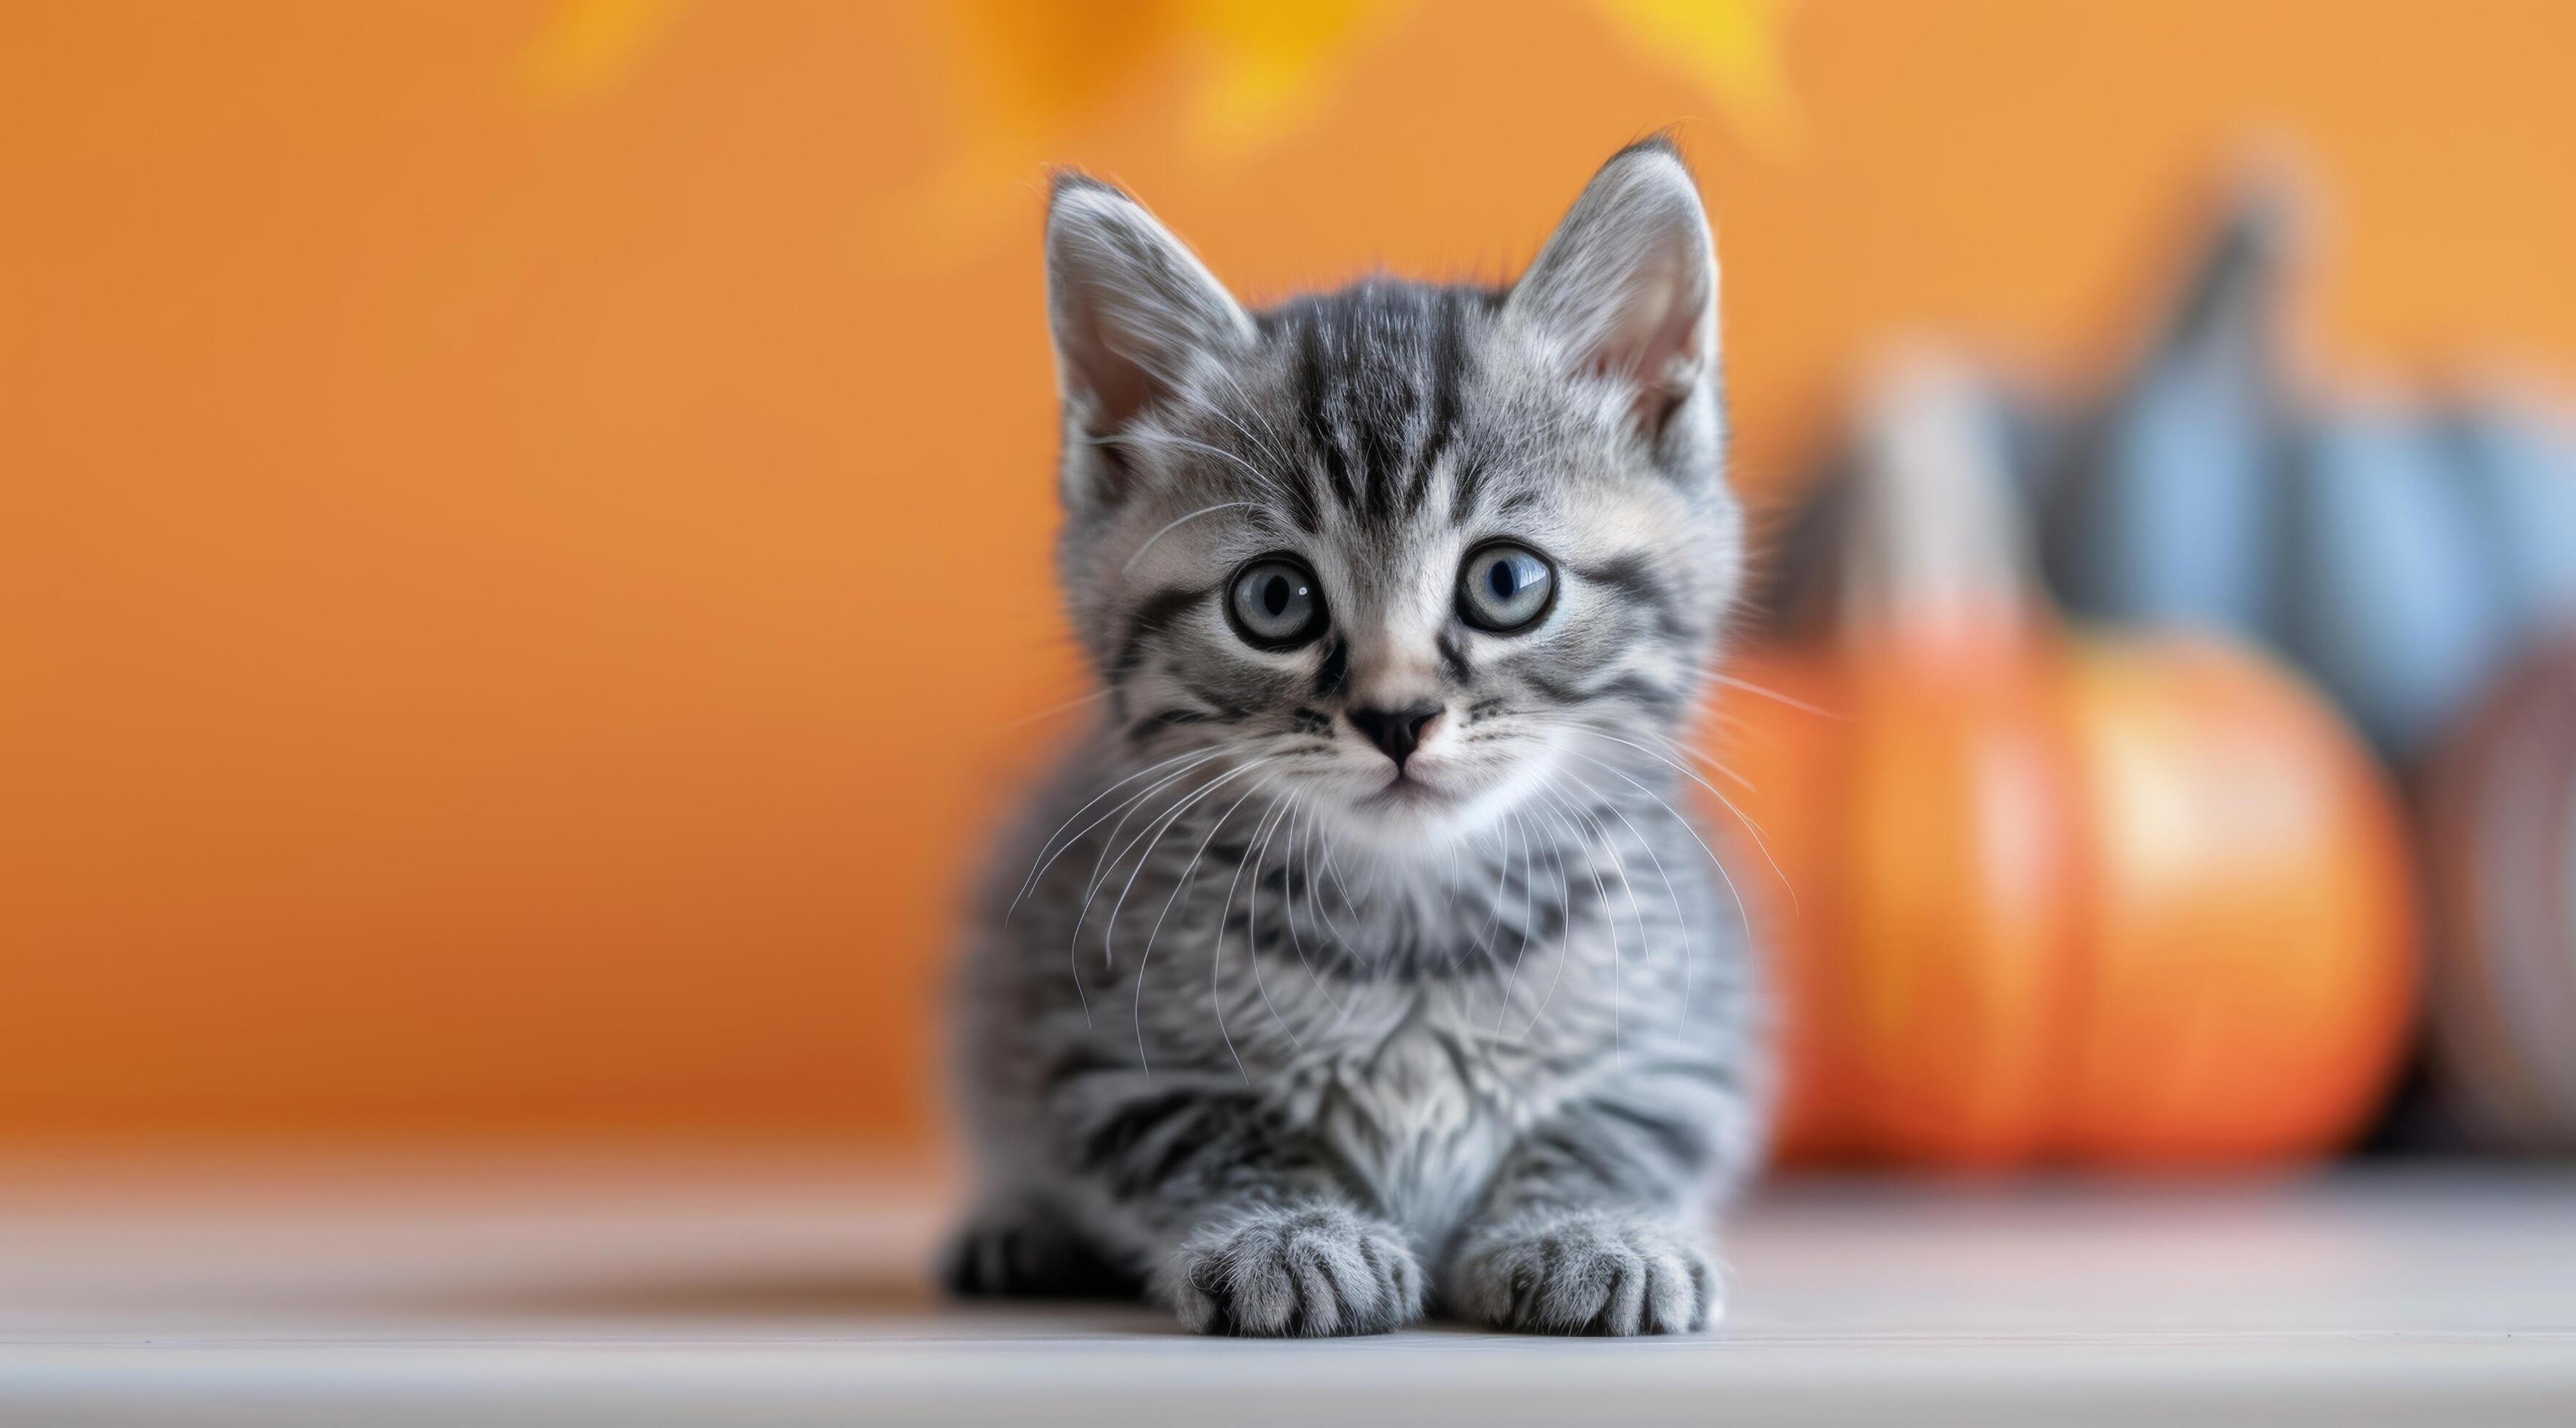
(1505, 588)
(1276, 604)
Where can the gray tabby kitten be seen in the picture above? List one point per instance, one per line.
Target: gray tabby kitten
(1361, 961)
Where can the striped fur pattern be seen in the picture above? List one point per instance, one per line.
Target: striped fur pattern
(1292, 1031)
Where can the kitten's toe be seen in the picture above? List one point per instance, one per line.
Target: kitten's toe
(1313, 1271)
(1587, 1273)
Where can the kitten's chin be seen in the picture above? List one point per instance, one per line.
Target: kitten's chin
(1399, 824)
(1426, 812)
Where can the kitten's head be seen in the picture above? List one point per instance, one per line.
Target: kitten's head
(1407, 552)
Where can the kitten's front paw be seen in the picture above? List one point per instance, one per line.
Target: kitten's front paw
(1312, 1271)
(1586, 1272)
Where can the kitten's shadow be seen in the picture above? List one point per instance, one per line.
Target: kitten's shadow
(846, 1298)
(853, 1302)
(818, 1294)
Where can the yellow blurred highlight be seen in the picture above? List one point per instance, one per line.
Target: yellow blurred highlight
(588, 47)
(1267, 68)
(1248, 75)
(1733, 50)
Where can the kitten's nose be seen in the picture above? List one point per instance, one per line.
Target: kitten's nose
(1398, 731)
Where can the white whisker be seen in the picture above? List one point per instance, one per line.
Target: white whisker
(1039, 865)
(1749, 687)
(1102, 867)
(1701, 756)
(1176, 525)
(1565, 900)
(1156, 826)
(1341, 939)
(1502, 875)
(1052, 710)
(1189, 872)
(1529, 916)
(1636, 911)
(1253, 407)
(1323, 853)
(1679, 916)
(1147, 437)
(1252, 914)
(1685, 824)
(1288, 910)
(1758, 840)
(1574, 839)
(1169, 819)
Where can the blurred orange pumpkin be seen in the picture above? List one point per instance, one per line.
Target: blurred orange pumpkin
(2128, 900)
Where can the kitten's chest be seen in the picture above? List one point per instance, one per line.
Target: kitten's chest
(1419, 1105)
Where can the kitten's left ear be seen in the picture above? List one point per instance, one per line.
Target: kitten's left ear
(1627, 286)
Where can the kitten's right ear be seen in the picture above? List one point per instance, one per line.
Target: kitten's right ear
(1132, 307)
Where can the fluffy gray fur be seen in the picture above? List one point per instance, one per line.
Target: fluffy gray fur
(1299, 1036)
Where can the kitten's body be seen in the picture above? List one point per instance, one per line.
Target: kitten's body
(1295, 1030)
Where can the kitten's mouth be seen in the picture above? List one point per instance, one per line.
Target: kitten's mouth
(1406, 789)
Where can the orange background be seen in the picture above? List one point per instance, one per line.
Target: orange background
(523, 531)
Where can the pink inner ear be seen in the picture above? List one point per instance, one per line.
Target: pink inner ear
(1118, 385)
(1656, 342)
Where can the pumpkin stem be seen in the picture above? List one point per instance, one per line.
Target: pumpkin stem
(1935, 545)
(2231, 303)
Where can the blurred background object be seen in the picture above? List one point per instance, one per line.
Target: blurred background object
(2406, 554)
(524, 530)
(2401, 550)
(2500, 835)
(2117, 898)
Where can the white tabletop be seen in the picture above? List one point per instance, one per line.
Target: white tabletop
(783, 1286)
